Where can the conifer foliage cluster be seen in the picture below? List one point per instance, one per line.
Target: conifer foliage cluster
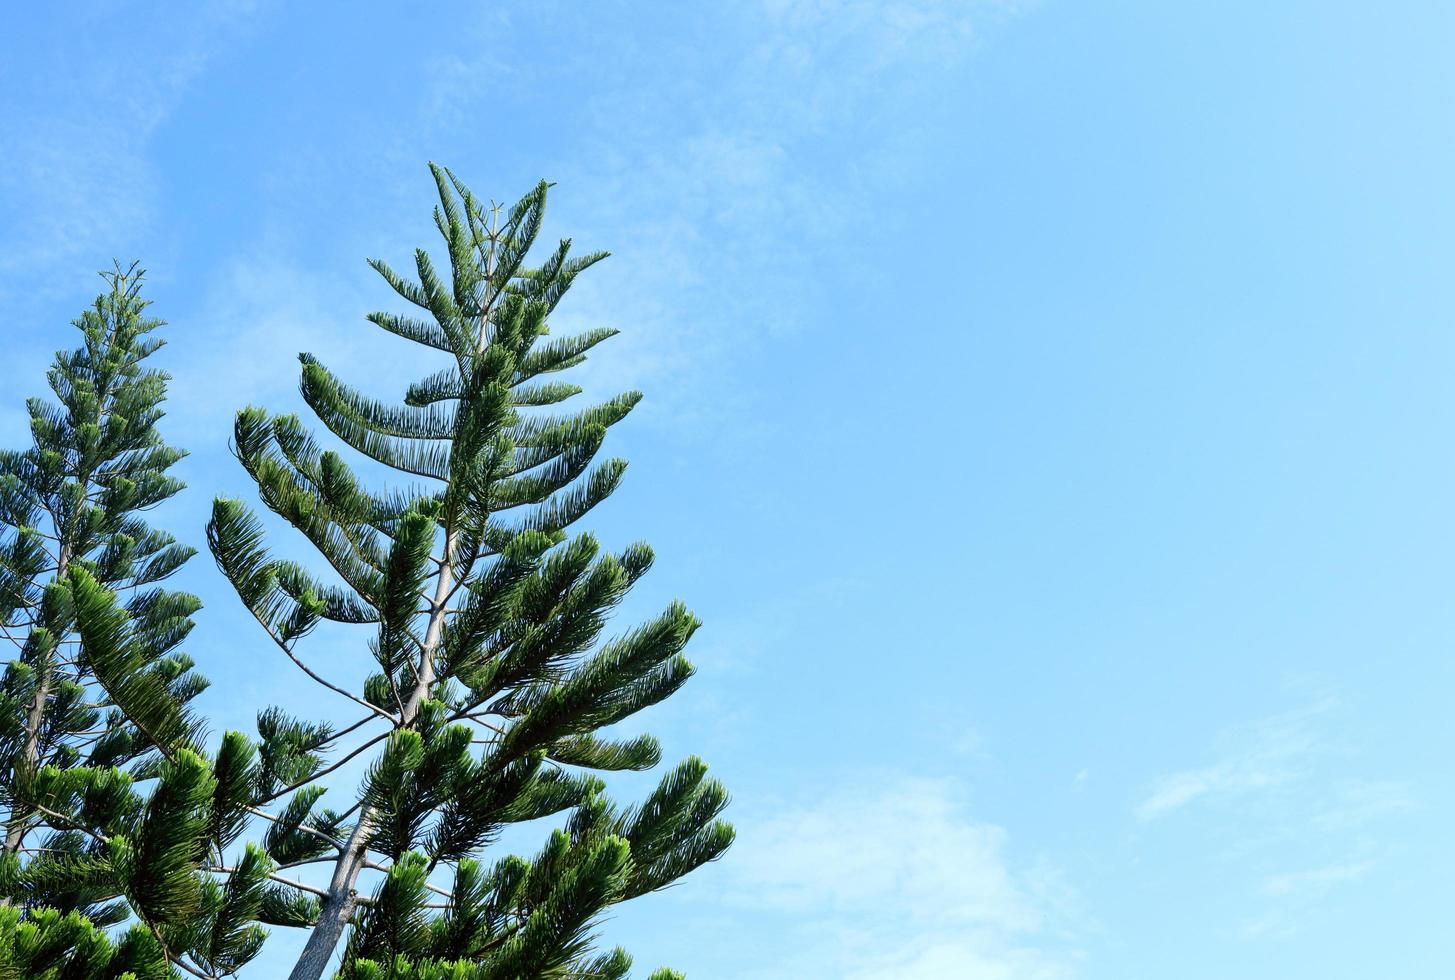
(94, 865)
(489, 671)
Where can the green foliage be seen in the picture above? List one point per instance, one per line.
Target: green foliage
(125, 664)
(491, 677)
(70, 509)
(228, 935)
(47, 944)
(114, 821)
(156, 864)
(488, 696)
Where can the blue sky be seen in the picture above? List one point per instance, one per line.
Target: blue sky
(1048, 413)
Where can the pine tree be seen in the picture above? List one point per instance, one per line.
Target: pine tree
(485, 616)
(96, 697)
(73, 501)
(72, 534)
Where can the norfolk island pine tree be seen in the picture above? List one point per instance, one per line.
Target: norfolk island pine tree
(82, 850)
(482, 612)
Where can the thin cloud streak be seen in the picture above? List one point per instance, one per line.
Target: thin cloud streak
(1267, 754)
(1269, 800)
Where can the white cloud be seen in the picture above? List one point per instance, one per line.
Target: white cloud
(1317, 881)
(963, 959)
(1272, 803)
(667, 170)
(1351, 804)
(1233, 776)
(78, 184)
(1290, 896)
(907, 847)
(875, 34)
(1266, 754)
(900, 880)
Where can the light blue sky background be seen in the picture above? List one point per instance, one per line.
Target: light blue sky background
(1048, 412)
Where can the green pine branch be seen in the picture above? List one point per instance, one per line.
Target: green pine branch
(485, 616)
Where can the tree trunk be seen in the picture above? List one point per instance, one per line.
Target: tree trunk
(343, 895)
(30, 754)
(338, 908)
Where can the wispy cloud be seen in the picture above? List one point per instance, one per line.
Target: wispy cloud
(1353, 803)
(901, 881)
(670, 167)
(1316, 881)
(1289, 896)
(263, 313)
(875, 34)
(1275, 813)
(78, 184)
(1265, 754)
